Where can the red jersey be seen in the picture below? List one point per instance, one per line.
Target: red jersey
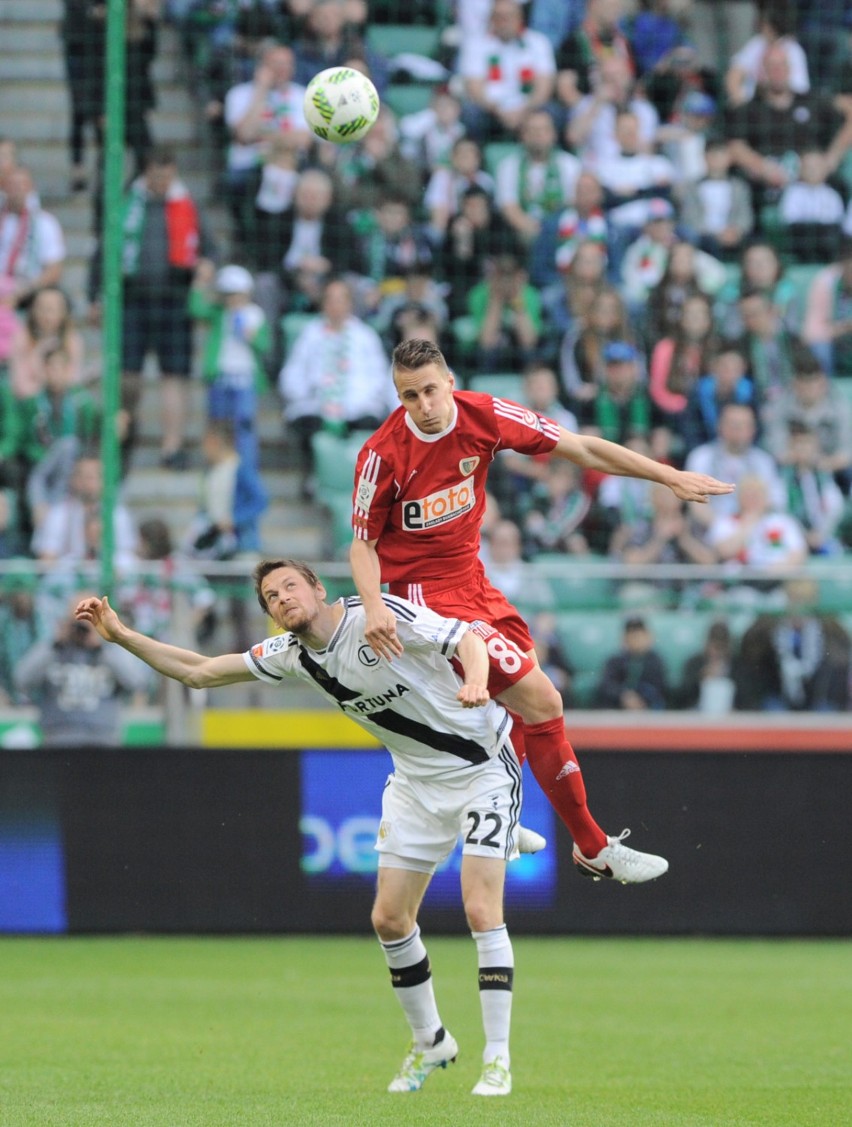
(422, 496)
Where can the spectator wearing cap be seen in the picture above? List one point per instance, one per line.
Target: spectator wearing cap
(716, 209)
(646, 258)
(621, 407)
(236, 346)
(685, 140)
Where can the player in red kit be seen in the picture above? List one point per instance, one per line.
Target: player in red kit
(418, 506)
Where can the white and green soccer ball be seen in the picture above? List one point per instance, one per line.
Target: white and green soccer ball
(341, 105)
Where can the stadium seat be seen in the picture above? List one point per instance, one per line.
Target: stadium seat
(495, 151)
(398, 39)
(570, 590)
(339, 506)
(834, 580)
(408, 98)
(588, 639)
(334, 461)
(291, 325)
(800, 277)
(508, 385)
(677, 636)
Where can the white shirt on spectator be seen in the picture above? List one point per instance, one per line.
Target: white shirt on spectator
(283, 111)
(62, 534)
(43, 245)
(749, 59)
(509, 188)
(446, 188)
(712, 458)
(810, 203)
(716, 198)
(310, 382)
(600, 143)
(506, 66)
(777, 538)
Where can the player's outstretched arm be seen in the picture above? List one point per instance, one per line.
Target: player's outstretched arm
(608, 457)
(193, 669)
(473, 655)
(380, 622)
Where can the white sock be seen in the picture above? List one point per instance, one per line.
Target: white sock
(496, 974)
(411, 978)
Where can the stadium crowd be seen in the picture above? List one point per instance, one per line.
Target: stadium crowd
(643, 210)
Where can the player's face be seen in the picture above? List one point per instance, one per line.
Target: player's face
(290, 599)
(427, 396)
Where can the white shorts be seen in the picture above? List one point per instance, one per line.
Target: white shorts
(423, 818)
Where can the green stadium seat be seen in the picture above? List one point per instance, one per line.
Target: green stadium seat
(677, 636)
(834, 582)
(339, 506)
(334, 461)
(800, 277)
(291, 325)
(570, 590)
(408, 98)
(495, 151)
(588, 639)
(507, 385)
(397, 39)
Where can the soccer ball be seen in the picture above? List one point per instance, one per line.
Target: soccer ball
(341, 105)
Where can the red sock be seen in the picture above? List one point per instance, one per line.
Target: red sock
(557, 772)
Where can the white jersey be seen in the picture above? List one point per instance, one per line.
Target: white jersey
(408, 702)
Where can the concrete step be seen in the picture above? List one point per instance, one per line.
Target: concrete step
(12, 11)
(33, 36)
(48, 65)
(29, 127)
(39, 96)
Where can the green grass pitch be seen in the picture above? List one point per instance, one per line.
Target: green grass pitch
(273, 1032)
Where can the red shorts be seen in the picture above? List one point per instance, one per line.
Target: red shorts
(472, 598)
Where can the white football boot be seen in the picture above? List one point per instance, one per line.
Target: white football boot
(496, 1079)
(618, 862)
(419, 1063)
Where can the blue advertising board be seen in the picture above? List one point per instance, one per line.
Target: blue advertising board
(341, 810)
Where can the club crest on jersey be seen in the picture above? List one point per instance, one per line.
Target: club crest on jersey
(366, 656)
(438, 508)
(468, 465)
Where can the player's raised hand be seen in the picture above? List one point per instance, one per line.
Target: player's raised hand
(100, 614)
(380, 632)
(473, 696)
(698, 487)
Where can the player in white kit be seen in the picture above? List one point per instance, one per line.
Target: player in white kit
(455, 771)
